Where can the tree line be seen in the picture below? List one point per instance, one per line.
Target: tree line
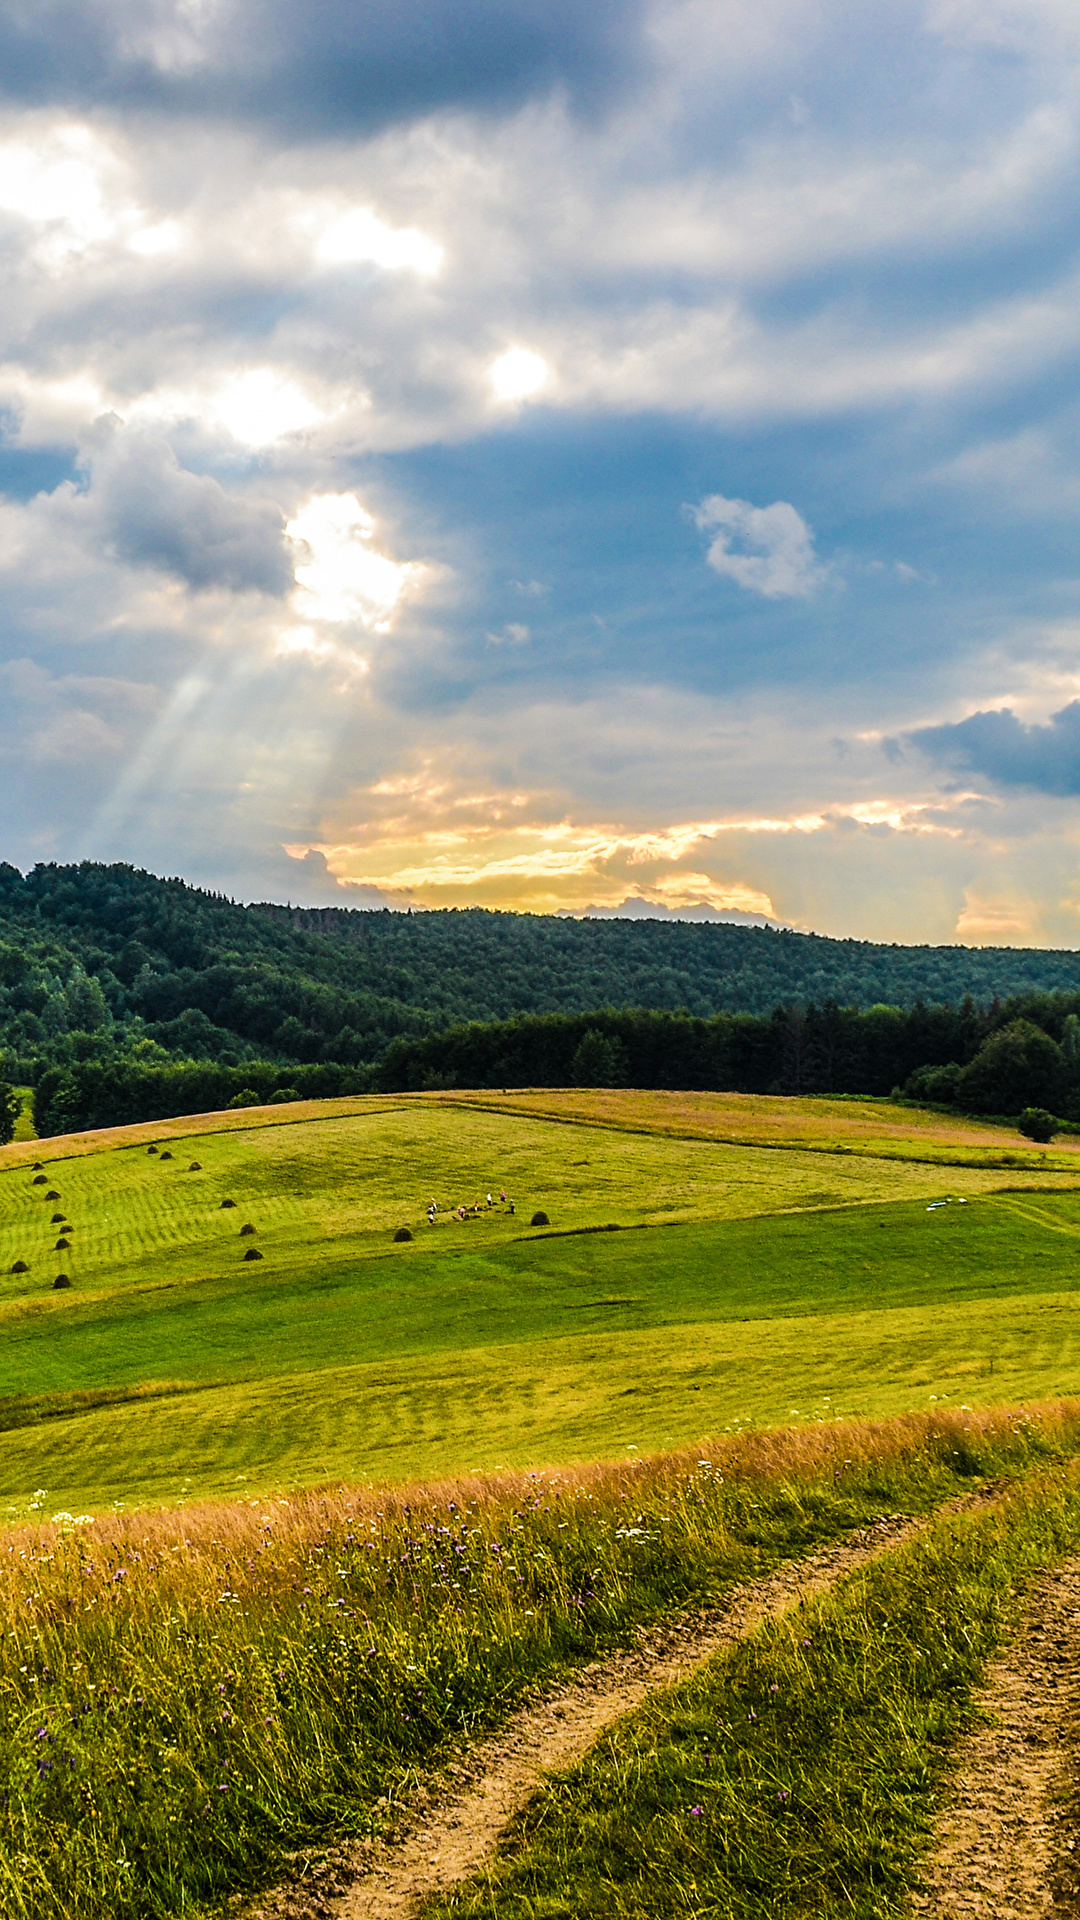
(998, 1060)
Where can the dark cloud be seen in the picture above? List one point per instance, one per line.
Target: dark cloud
(151, 512)
(333, 68)
(998, 745)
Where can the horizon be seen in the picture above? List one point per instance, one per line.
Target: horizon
(640, 911)
(611, 462)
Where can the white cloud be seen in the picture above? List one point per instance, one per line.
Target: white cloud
(1048, 29)
(72, 189)
(699, 248)
(260, 407)
(767, 550)
(514, 634)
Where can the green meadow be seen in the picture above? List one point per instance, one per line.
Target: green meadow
(690, 1283)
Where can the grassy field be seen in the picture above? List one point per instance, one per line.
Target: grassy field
(848, 1123)
(775, 1261)
(188, 1695)
(24, 1125)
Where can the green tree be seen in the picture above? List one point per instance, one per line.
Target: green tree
(10, 1109)
(1036, 1124)
(1017, 1067)
(938, 1084)
(86, 1005)
(599, 1061)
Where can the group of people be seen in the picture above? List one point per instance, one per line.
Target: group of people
(464, 1213)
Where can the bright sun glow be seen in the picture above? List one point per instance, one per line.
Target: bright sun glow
(67, 182)
(57, 179)
(165, 236)
(344, 579)
(518, 373)
(360, 235)
(260, 407)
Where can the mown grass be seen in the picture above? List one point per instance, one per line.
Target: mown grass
(552, 1350)
(325, 1188)
(186, 1697)
(744, 1287)
(561, 1401)
(797, 1774)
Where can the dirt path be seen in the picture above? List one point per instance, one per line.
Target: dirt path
(450, 1832)
(1002, 1849)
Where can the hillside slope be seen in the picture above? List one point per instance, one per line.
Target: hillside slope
(133, 960)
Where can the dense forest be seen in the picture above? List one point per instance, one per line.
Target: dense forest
(1016, 1055)
(123, 995)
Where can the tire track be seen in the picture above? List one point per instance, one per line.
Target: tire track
(1001, 1845)
(453, 1829)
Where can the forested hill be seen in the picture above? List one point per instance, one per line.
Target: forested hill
(493, 965)
(99, 960)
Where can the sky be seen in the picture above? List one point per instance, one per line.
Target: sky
(617, 458)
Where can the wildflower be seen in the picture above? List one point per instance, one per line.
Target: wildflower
(697, 1810)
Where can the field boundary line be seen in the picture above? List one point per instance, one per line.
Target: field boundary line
(453, 1829)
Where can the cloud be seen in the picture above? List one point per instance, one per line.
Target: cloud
(514, 634)
(518, 374)
(151, 512)
(320, 263)
(1000, 746)
(335, 68)
(78, 719)
(767, 550)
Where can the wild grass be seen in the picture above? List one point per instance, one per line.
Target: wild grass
(796, 1775)
(184, 1697)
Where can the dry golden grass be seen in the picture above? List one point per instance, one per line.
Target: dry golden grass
(769, 1120)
